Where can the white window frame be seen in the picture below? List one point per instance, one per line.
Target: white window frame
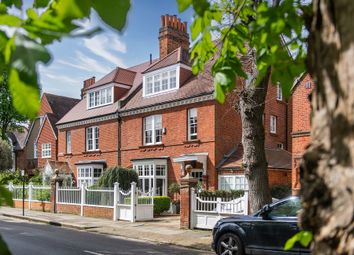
(46, 150)
(89, 179)
(35, 150)
(154, 129)
(308, 85)
(95, 97)
(159, 74)
(279, 92)
(147, 173)
(239, 182)
(68, 141)
(95, 131)
(190, 134)
(273, 124)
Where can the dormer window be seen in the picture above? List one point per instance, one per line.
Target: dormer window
(100, 97)
(161, 81)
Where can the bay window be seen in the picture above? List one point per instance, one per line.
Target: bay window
(233, 182)
(152, 176)
(153, 129)
(88, 174)
(92, 138)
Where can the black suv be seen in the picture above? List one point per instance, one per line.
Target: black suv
(264, 232)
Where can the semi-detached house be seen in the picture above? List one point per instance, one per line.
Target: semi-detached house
(157, 117)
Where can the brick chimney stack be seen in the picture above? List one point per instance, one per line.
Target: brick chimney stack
(87, 83)
(173, 34)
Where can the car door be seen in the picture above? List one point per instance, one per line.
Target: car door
(271, 231)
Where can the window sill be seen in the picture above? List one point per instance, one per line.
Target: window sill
(151, 146)
(46, 157)
(273, 134)
(68, 154)
(92, 152)
(191, 141)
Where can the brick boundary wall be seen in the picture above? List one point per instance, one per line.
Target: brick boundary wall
(35, 206)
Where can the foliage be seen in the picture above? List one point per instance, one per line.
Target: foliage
(303, 237)
(10, 119)
(5, 196)
(161, 204)
(174, 188)
(121, 175)
(222, 193)
(3, 247)
(280, 191)
(43, 195)
(9, 176)
(241, 25)
(21, 51)
(5, 154)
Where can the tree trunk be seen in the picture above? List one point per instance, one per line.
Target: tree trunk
(327, 169)
(251, 105)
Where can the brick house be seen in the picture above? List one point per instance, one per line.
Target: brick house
(17, 139)
(53, 108)
(157, 117)
(300, 108)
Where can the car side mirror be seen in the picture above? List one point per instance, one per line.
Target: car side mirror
(265, 210)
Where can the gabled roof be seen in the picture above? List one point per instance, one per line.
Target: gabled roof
(118, 75)
(60, 105)
(18, 138)
(179, 55)
(277, 159)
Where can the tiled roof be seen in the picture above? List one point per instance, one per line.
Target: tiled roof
(277, 158)
(80, 111)
(60, 105)
(63, 167)
(179, 55)
(118, 75)
(18, 138)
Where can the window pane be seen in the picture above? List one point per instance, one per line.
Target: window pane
(165, 81)
(288, 209)
(109, 95)
(148, 89)
(97, 136)
(192, 123)
(91, 99)
(68, 142)
(97, 98)
(157, 83)
(103, 96)
(172, 79)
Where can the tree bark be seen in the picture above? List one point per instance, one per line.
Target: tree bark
(327, 169)
(251, 105)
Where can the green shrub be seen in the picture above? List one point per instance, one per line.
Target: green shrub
(8, 176)
(161, 203)
(222, 193)
(174, 188)
(37, 179)
(280, 191)
(43, 195)
(123, 176)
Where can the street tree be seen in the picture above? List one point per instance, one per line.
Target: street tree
(10, 119)
(5, 155)
(249, 42)
(328, 164)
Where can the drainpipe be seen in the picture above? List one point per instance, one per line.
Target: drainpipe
(119, 160)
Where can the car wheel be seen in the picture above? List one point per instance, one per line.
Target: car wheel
(229, 244)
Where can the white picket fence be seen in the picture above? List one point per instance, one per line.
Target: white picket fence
(32, 193)
(127, 205)
(206, 211)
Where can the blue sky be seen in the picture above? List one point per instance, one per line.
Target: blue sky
(77, 59)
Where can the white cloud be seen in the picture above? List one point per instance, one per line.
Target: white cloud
(85, 63)
(64, 78)
(107, 46)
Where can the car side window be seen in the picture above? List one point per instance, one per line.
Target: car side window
(289, 208)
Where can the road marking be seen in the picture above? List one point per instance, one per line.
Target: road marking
(92, 252)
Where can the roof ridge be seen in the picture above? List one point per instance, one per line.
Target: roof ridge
(169, 54)
(50, 94)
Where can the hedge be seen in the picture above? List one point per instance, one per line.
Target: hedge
(222, 193)
(161, 203)
(280, 191)
(123, 176)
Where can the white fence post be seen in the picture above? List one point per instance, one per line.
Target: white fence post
(133, 201)
(218, 205)
(30, 189)
(11, 186)
(245, 202)
(82, 198)
(193, 204)
(115, 200)
(56, 193)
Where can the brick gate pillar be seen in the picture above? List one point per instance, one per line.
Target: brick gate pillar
(187, 183)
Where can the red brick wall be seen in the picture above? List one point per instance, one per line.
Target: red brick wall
(35, 206)
(301, 125)
(108, 143)
(45, 107)
(278, 109)
(89, 211)
(174, 141)
(46, 136)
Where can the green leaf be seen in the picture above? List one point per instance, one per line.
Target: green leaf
(40, 3)
(73, 9)
(5, 196)
(219, 93)
(113, 13)
(200, 6)
(183, 4)
(25, 96)
(304, 237)
(196, 28)
(4, 250)
(10, 20)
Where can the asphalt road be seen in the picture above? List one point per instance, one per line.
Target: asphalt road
(39, 239)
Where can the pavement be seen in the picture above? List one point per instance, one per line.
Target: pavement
(160, 230)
